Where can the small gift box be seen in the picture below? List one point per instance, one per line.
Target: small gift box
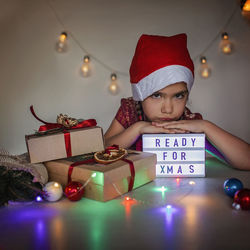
(105, 182)
(55, 146)
(69, 137)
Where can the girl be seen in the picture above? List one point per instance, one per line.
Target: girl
(162, 75)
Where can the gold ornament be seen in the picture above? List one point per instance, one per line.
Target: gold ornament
(66, 121)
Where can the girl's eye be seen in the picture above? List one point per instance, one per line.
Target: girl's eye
(156, 96)
(179, 96)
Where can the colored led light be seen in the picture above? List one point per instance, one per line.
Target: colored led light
(56, 184)
(178, 181)
(39, 198)
(93, 175)
(192, 183)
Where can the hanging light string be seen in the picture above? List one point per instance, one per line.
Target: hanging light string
(218, 34)
(106, 66)
(81, 47)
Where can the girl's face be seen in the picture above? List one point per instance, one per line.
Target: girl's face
(167, 104)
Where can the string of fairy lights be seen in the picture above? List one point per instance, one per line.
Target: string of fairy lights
(225, 44)
(74, 191)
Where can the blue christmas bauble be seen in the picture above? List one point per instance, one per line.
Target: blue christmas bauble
(231, 186)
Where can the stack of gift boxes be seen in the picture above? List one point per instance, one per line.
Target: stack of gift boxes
(60, 149)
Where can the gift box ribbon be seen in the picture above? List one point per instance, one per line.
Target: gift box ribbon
(131, 166)
(92, 160)
(49, 126)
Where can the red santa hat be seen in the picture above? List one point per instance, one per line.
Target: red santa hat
(158, 62)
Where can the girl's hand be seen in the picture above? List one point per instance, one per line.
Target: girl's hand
(149, 128)
(196, 126)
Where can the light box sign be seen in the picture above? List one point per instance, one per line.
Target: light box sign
(178, 155)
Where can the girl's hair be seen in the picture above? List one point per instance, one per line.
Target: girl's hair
(139, 110)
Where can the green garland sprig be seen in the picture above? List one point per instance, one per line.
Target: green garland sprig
(17, 185)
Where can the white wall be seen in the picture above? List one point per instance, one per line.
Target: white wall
(32, 72)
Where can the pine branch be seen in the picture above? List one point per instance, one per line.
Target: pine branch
(17, 185)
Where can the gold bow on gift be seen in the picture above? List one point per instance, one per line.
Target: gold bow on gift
(66, 121)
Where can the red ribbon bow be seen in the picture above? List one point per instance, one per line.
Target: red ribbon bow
(49, 126)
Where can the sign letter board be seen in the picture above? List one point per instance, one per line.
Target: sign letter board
(178, 155)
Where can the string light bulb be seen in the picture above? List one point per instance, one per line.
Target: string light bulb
(113, 77)
(191, 183)
(85, 69)
(163, 189)
(62, 44)
(39, 198)
(246, 6)
(205, 70)
(245, 9)
(226, 45)
(113, 86)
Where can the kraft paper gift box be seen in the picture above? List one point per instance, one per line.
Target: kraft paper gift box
(49, 147)
(111, 180)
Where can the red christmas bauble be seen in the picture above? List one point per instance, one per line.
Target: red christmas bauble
(242, 197)
(74, 191)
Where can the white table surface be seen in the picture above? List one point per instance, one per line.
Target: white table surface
(201, 217)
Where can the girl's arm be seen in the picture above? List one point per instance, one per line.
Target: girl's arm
(117, 134)
(236, 151)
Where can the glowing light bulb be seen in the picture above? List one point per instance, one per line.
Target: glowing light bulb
(85, 69)
(93, 175)
(245, 9)
(205, 70)
(163, 189)
(63, 37)
(113, 86)
(191, 183)
(246, 5)
(113, 77)
(127, 198)
(177, 181)
(62, 45)
(226, 45)
(56, 184)
(168, 206)
(39, 198)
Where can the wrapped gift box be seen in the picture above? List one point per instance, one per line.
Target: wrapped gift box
(111, 180)
(49, 147)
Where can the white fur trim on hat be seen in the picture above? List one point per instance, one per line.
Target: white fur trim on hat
(160, 79)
